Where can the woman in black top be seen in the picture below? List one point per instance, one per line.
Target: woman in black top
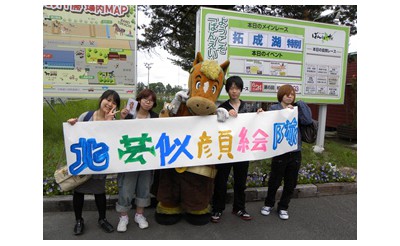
(108, 103)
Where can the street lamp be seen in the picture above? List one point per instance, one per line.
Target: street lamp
(148, 66)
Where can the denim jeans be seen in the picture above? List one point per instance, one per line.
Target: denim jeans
(134, 185)
(284, 167)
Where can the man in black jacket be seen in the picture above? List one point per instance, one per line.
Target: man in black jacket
(234, 106)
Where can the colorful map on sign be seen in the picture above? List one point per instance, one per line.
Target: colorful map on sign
(88, 49)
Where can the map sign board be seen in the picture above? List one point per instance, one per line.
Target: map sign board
(88, 49)
(267, 52)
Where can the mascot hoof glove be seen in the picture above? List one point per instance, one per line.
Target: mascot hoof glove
(222, 114)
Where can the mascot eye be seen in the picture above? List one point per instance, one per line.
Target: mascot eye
(214, 89)
(198, 85)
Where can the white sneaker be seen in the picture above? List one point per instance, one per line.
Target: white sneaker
(141, 221)
(123, 223)
(266, 210)
(283, 214)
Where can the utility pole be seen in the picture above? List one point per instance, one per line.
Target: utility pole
(148, 66)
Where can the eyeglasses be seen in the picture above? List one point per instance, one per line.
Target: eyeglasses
(147, 101)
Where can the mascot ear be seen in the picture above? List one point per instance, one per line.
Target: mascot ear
(198, 59)
(225, 66)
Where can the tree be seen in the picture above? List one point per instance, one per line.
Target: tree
(347, 14)
(158, 87)
(140, 87)
(176, 89)
(168, 89)
(172, 27)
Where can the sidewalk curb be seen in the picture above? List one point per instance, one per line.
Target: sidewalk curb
(64, 203)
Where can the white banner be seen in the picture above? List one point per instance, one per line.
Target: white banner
(101, 147)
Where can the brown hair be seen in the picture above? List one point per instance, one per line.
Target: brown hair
(145, 93)
(286, 90)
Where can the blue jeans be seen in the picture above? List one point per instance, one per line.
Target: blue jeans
(134, 185)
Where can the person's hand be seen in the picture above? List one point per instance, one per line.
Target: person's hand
(124, 113)
(72, 121)
(111, 114)
(290, 106)
(233, 113)
(260, 110)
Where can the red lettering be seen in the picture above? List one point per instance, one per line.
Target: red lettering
(256, 87)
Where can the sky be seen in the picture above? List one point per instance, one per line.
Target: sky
(163, 70)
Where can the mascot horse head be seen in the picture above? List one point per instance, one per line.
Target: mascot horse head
(206, 81)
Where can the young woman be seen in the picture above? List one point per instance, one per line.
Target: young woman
(136, 184)
(108, 103)
(286, 166)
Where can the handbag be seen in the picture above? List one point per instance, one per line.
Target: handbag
(67, 181)
(309, 132)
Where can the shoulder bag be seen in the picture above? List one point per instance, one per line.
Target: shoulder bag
(67, 181)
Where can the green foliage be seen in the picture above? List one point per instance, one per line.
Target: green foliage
(324, 173)
(53, 139)
(335, 152)
(256, 177)
(51, 188)
(160, 89)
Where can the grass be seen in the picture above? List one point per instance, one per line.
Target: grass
(336, 152)
(53, 140)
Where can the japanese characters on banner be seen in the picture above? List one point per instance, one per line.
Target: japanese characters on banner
(267, 52)
(132, 145)
(88, 49)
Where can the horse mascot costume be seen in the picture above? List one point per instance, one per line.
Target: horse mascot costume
(188, 191)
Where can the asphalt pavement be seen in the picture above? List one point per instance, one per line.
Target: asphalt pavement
(313, 218)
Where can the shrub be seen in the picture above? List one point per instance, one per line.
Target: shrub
(325, 173)
(308, 174)
(51, 188)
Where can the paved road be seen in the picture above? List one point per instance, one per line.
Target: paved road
(327, 217)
